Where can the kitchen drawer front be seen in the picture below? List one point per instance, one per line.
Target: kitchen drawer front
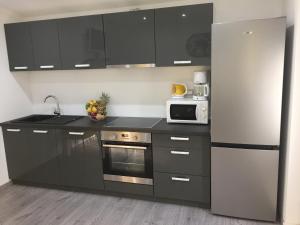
(188, 188)
(181, 141)
(182, 161)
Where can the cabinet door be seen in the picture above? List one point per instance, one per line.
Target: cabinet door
(17, 152)
(129, 38)
(44, 158)
(81, 161)
(45, 44)
(82, 42)
(183, 35)
(19, 46)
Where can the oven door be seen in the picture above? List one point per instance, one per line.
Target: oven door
(127, 162)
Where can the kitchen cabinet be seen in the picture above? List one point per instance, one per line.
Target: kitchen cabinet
(31, 155)
(129, 38)
(183, 35)
(19, 46)
(80, 160)
(82, 42)
(45, 44)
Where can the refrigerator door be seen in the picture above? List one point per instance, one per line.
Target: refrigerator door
(244, 183)
(247, 78)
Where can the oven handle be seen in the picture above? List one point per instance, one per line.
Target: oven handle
(125, 146)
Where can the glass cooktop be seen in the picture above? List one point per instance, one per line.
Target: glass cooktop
(133, 122)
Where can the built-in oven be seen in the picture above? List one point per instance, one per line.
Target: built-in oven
(127, 157)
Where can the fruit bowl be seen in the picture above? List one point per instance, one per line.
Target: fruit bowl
(96, 109)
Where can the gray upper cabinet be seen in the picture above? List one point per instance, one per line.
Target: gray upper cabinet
(19, 46)
(183, 35)
(129, 38)
(82, 42)
(45, 44)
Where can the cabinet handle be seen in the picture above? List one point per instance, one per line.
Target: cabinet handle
(77, 133)
(21, 67)
(179, 153)
(40, 131)
(183, 62)
(180, 179)
(82, 65)
(180, 138)
(47, 67)
(13, 130)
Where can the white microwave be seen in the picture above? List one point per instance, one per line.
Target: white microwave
(187, 110)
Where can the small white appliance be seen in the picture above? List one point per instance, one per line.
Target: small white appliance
(201, 86)
(186, 110)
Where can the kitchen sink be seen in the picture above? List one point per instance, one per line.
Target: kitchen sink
(48, 119)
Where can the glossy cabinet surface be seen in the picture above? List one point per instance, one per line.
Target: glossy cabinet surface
(80, 159)
(19, 46)
(31, 155)
(183, 35)
(82, 42)
(45, 44)
(129, 37)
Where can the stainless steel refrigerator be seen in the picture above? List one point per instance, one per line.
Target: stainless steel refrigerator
(247, 80)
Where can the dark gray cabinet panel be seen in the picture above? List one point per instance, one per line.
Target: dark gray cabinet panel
(175, 186)
(82, 42)
(81, 161)
(129, 37)
(19, 46)
(44, 157)
(181, 141)
(182, 161)
(183, 35)
(31, 155)
(128, 188)
(45, 44)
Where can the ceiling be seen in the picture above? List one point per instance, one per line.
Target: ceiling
(31, 8)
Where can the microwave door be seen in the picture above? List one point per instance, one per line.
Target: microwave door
(183, 112)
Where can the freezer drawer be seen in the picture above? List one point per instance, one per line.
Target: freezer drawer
(244, 183)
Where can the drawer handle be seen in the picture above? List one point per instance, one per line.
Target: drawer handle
(13, 130)
(180, 179)
(180, 138)
(77, 133)
(182, 62)
(47, 67)
(21, 67)
(124, 146)
(40, 131)
(82, 65)
(179, 153)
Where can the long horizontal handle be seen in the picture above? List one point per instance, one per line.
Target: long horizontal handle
(180, 138)
(13, 130)
(125, 146)
(47, 67)
(21, 67)
(40, 131)
(180, 153)
(180, 179)
(77, 133)
(182, 62)
(82, 65)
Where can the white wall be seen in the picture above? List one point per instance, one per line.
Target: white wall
(134, 92)
(291, 214)
(15, 100)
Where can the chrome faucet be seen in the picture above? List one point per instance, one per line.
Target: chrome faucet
(57, 110)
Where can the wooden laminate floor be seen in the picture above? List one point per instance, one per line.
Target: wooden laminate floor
(40, 206)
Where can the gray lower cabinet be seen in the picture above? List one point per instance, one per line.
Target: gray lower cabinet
(31, 154)
(182, 161)
(182, 187)
(80, 159)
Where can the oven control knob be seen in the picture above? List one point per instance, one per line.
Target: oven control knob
(135, 138)
(203, 109)
(113, 137)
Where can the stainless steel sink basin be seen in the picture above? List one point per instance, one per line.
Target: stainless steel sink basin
(48, 119)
